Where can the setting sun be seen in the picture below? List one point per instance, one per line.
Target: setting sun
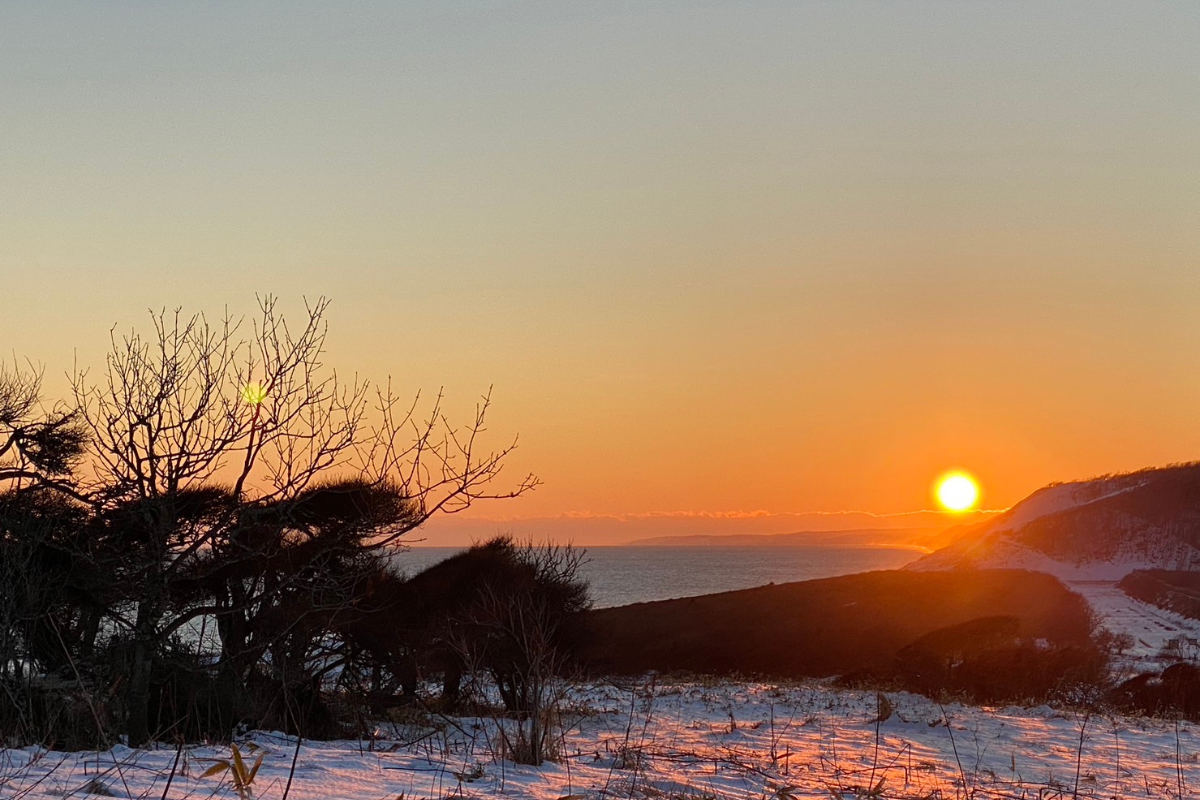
(957, 491)
(597, 359)
(254, 393)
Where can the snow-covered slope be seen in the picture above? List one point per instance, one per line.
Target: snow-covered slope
(1100, 529)
(677, 741)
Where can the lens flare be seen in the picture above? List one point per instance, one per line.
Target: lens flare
(957, 491)
(254, 393)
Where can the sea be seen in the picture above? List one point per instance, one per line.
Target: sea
(618, 576)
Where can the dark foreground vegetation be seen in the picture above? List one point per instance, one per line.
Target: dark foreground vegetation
(201, 536)
(986, 635)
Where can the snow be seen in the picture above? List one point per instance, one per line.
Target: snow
(684, 741)
(1065, 496)
(1150, 628)
(1000, 552)
(703, 740)
(995, 544)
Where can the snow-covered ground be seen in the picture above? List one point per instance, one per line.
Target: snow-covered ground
(684, 741)
(720, 740)
(1150, 628)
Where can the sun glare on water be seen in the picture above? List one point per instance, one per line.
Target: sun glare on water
(957, 491)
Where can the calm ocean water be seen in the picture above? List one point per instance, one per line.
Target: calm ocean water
(621, 575)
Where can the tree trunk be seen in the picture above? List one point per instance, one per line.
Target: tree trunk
(137, 692)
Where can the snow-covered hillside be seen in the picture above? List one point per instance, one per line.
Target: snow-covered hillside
(1100, 529)
(682, 741)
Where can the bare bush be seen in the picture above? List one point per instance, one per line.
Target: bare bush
(522, 632)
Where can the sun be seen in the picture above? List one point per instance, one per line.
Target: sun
(254, 393)
(957, 491)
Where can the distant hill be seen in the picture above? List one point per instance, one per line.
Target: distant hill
(915, 538)
(1099, 529)
(993, 634)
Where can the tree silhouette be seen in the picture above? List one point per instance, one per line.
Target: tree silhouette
(37, 447)
(234, 489)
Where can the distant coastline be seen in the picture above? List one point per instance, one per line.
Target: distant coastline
(898, 538)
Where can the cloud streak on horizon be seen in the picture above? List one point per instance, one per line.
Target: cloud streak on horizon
(588, 528)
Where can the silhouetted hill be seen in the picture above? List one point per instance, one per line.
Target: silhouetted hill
(878, 624)
(1102, 528)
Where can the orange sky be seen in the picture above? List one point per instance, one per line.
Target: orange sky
(745, 259)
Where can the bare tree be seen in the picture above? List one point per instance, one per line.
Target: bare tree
(231, 466)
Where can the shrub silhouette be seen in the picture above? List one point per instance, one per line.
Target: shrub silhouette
(935, 660)
(1176, 690)
(496, 608)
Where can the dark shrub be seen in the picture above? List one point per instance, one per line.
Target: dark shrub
(496, 608)
(1176, 690)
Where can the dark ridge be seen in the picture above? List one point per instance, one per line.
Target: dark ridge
(868, 625)
(1172, 590)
